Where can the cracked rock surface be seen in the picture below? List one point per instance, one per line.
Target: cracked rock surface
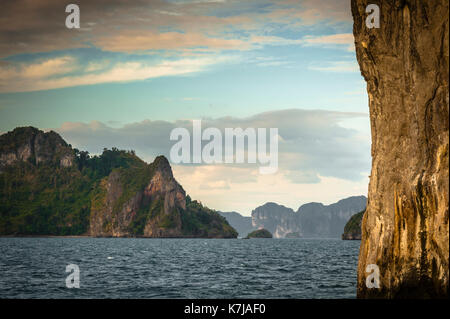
(405, 228)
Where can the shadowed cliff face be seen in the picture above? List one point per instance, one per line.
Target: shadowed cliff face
(277, 219)
(319, 220)
(405, 229)
(159, 193)
(31, 145)
(312, 220)
(352, 230)
(147, 201)
(48, 188)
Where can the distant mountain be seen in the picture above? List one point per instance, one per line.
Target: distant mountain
(242, 224)
(277, 219)
(320, 220)
(49, 188)
(310, 220)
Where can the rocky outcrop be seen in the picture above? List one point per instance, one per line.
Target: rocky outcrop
(312, 220)
(277, 219)
(147, 201)
(48, 188)
(260, 233)
(117, 204)
(352, 230)
(328, 221)
(28, 144)
(405, 229)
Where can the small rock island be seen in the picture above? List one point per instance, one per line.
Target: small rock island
(260, 233)
(352, 230)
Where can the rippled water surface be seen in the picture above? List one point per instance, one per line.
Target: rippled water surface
(179, 268)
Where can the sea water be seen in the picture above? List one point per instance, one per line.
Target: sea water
(178, 268)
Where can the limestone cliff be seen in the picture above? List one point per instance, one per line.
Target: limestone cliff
(48, 188)
(147, 201)
(119, 203)
(313, 220)
(28, 144)
(277, 219)
(405, 228)
(328, 221)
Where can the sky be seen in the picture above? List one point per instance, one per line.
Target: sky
(135, 70)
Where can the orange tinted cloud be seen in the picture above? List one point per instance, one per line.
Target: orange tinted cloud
(38, 26)
(128, 41)
(334, 39)
(23, 78)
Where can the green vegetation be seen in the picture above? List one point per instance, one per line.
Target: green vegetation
(11, 141)
(260, 233)
(200, 221)
(47, 199)
(48, 188)
(352, 229)
(97, 167)
(151, 211)
(132, 179)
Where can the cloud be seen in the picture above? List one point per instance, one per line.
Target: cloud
(59, 72)
(312, 143)
(335, 66)
(38, 26)
(343, 39)
(129, 41)
(320, 159)
(310, 12)
(49, 68)
(66, 71)
(268, 61)
(204, 183)
(186, 37)
(116, 25)
(40, 69)
(133, 41)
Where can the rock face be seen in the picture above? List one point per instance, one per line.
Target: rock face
(405, 228)
(311, 220)
(48, 188)
(352, 230)
(277, 219)
(324, 221)
(162, 196)
(152, 205)
(28, 144)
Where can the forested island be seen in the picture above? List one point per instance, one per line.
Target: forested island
(49, 188)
